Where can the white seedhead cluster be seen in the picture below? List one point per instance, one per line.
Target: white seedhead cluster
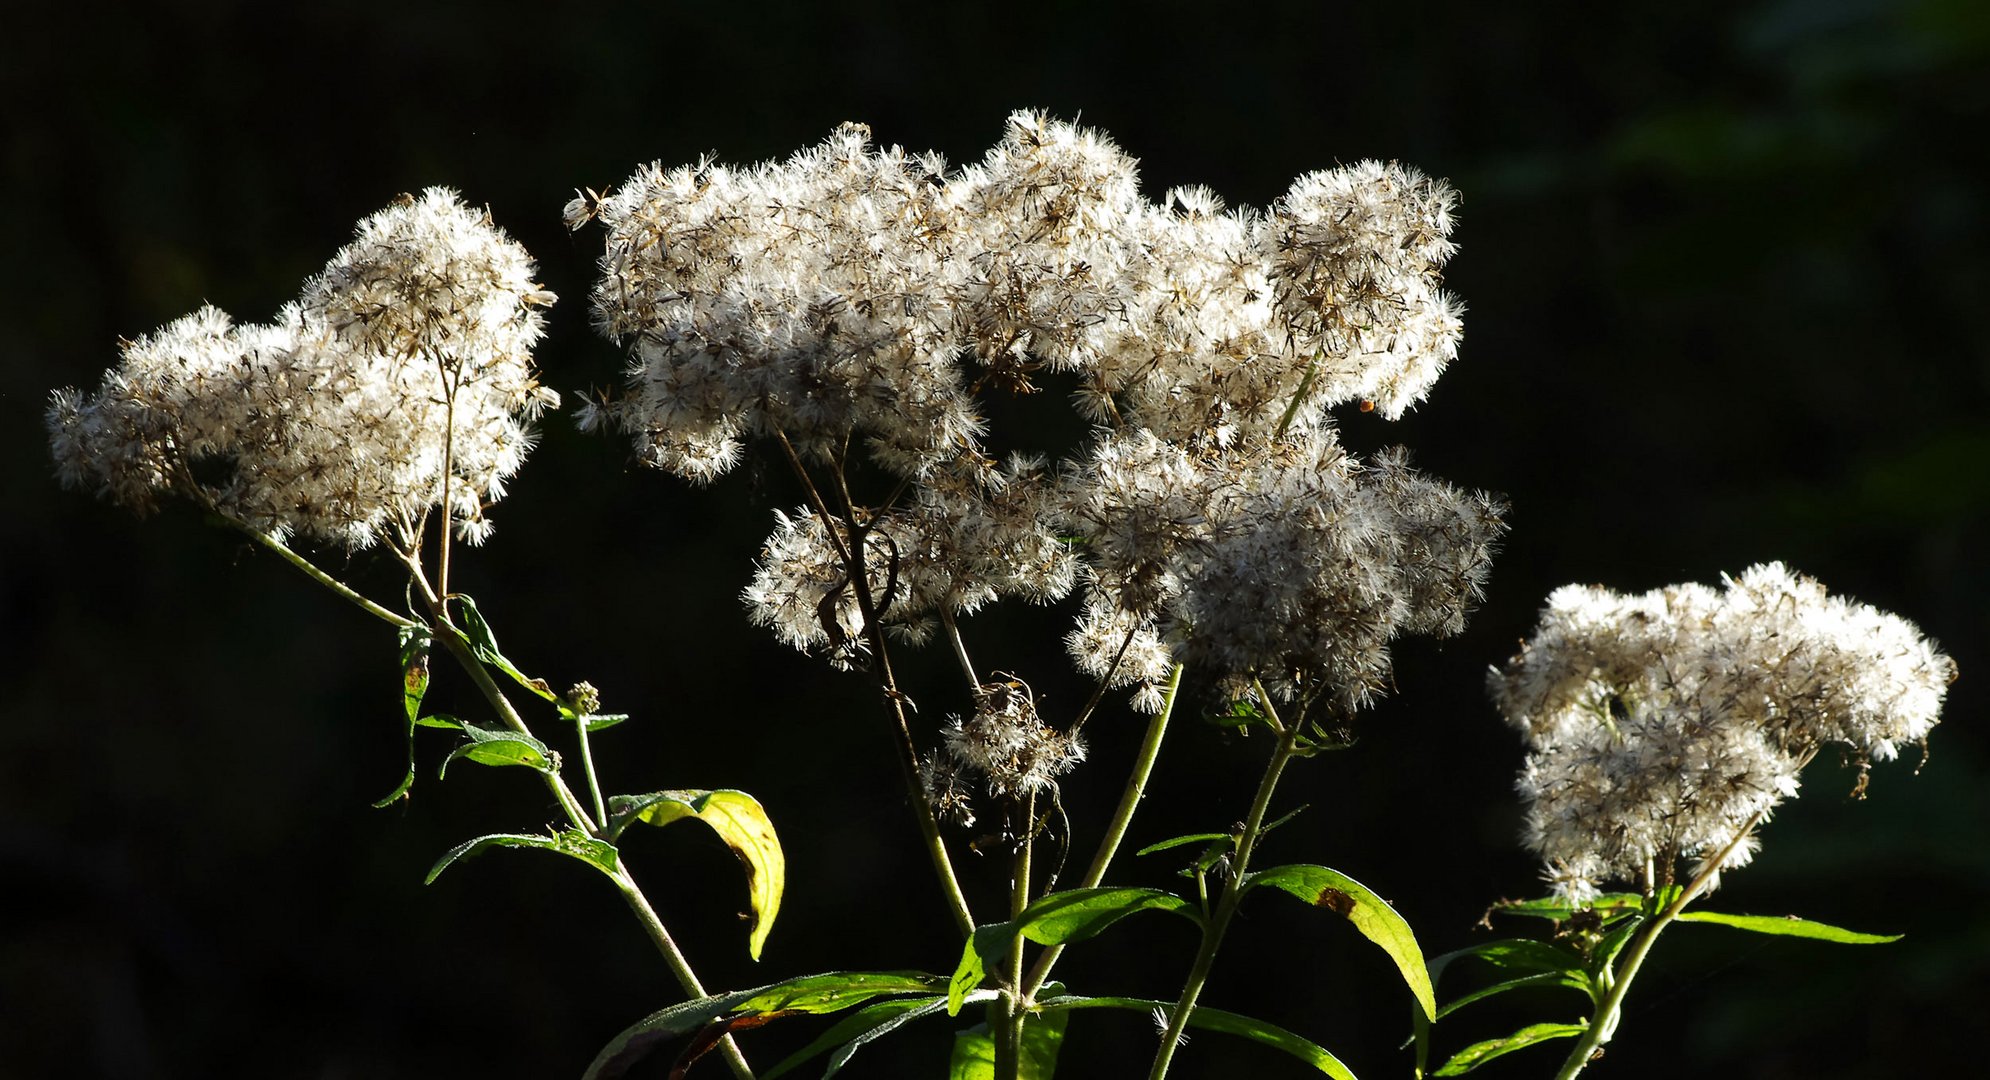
(1659, 726)
(852, 297)
(407, 359)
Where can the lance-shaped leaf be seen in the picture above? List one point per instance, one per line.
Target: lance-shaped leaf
(852, 1032)
(740, 821)
(1544, 978)
(1057, 919)
(1229, 1023)
(484, 643)
(1370, 914)
(572, 843)
(1478, 1054)
(1561, 909)
(488, 746)
(809, 994)
(1514, 954)
(414, 640)
(1789, 926)
(1178, 841)
(1043, 1037)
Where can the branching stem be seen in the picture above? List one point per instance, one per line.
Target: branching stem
(457, 643)
(1604, 1024)
(907, 752)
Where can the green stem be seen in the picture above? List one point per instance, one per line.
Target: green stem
(454, 640)
(1298, 396)
(1014, 1009)
(1226, 905)
(679, 965)
(1122, 819)
(317, 575)
(587, 769)
(1604, 1025)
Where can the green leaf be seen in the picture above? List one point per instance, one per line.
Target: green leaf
(1561, 910)
(484, 643)
(986, 946)
(866, 1024)
(1056, 919)
(1545, 978)
(603, 721)
(1178, 841)
(974, 1055)
(1043, 1037)
(491, 747)
(573, 842)
(440, 720)
(1478, 1054)
(740, 821)
(414, 641)
(812, 994)
(1228, 1023)
(1604, 953)
(1370, 914)
(1516, 954)
(1789, 926)
(835, 991)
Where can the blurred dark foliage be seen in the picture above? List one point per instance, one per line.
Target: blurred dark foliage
(1726, 268)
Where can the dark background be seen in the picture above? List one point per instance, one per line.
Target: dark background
(1726, 272)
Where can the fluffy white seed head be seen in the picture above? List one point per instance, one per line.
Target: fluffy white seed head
(407, 358)
(855, 296)
(1659, 725)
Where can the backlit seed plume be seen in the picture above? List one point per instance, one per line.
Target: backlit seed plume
(812, 297)
(1659, 725)
(336, 420)
(1287, 562)
(853, 297)
(857, 293)
(1005, 744)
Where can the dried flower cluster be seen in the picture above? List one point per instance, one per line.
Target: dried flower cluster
(1659, 726)
(856, 296)
(407, 359)
(1004, 744)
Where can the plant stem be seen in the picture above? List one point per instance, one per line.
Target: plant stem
(679, 966)
(317, 575)
(1226, 905)
(1015, 1008)
(587, 768)
(1099, 692)
(453, 639)
(1604, 1025)
(960, 648)
(1122, 819)
(908, 753)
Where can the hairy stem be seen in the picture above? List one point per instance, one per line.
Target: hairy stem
(1226, 905)
(1122, 820)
